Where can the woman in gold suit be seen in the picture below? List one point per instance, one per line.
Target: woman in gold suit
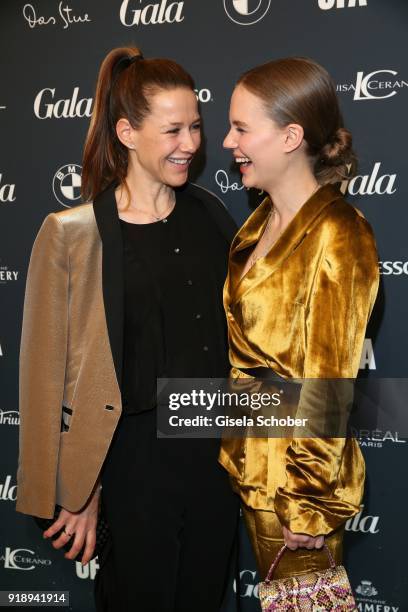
(302, 281)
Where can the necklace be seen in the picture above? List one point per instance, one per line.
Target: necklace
(160, 217)
(157, 217)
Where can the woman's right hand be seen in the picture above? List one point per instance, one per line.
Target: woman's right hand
(81, 526)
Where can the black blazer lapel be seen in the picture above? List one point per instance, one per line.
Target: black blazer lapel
(107, 220)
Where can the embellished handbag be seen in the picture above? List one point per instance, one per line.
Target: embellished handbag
(102, 533)
(313, 592)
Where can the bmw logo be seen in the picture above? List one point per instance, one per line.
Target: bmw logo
(246, 12)
(66, 185)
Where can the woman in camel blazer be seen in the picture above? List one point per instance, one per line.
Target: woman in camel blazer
(302, 281)
(121, 291)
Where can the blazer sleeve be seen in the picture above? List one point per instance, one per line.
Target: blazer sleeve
(325, 475)
(42, 369)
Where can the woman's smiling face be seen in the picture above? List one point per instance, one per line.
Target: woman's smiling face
(169, 136)
(255, 140)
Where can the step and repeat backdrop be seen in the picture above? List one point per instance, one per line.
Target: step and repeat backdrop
(50, 55)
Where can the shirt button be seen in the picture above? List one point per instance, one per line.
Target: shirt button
(198, 316)
(205, 348)
(177, 250)
(189, 282)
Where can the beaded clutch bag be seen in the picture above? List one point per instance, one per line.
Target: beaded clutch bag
(313, 592)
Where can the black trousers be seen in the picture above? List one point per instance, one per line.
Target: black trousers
(173, 520)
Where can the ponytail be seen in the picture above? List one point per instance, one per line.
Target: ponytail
(105, 158)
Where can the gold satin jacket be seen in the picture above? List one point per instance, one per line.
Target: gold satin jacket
(301, 310)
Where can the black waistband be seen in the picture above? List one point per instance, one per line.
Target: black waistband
(262, 372)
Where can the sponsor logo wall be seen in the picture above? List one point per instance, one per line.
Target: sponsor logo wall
(44, 116)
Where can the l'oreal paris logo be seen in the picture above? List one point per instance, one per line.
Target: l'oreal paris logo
(151, 14)
(326, 5)
(376, 85)
(47, 107)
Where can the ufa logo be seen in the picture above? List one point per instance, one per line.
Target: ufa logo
(246, 12)
(67, 185)
(151, 14)
(87, 571)
(326, 5)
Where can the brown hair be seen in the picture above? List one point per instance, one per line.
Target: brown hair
(125, 84)
(299, 90)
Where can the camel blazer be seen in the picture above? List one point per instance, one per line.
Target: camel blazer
(71, 351)
(302, 310)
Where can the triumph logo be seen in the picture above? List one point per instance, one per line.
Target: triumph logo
(66, 108)
(19, 560)
(9, 417)
(7, 191)
(246, 12)
(370, 184)
(66, 185)
(8, 493)
(151, 14)
(375, 438)
(376, 85)
(326, 5)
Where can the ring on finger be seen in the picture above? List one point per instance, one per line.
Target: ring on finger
(67, 533)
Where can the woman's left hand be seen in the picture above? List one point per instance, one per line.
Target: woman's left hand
(300, 540)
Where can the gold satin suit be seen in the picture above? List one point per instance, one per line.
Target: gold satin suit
(301, 310)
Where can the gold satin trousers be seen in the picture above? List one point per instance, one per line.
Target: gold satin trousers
(265, 534)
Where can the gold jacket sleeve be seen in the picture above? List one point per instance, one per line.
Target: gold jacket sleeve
(313, 500)
(42, 365)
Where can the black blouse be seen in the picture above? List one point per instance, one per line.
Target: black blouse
(174, 273)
